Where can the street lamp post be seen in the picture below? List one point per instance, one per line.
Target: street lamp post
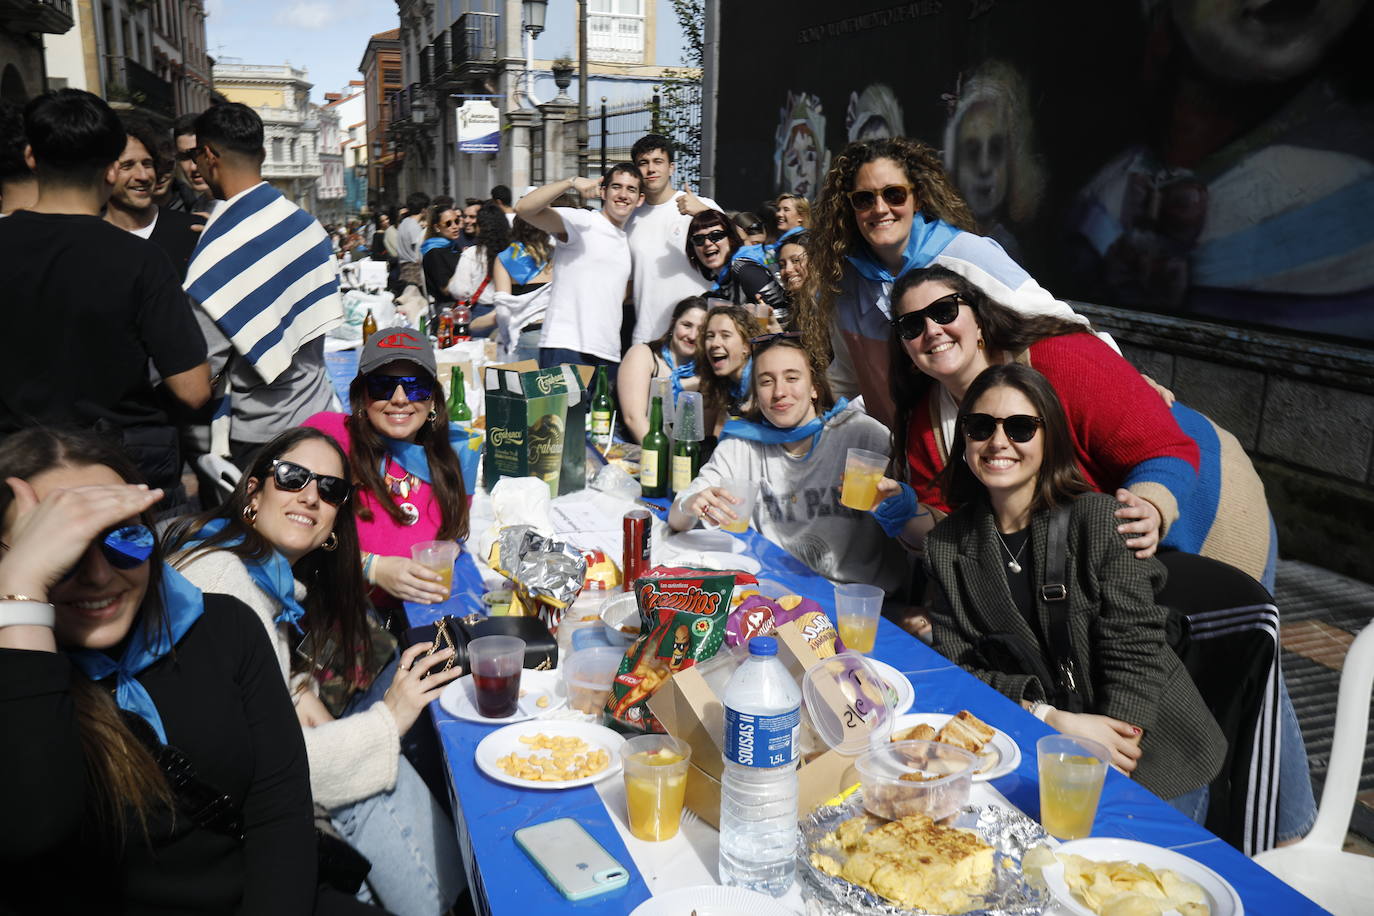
(534, 25)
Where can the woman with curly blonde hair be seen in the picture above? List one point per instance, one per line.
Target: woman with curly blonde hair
(887, 207)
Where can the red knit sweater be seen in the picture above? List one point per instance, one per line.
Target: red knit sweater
(1116, 420)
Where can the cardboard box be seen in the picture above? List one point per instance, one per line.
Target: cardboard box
(689, 708)
(537, 424)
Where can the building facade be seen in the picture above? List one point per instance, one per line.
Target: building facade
(383, 77)
(280, 94)
(24, 26)
(331, 206)
(351, 107)
(144, 54)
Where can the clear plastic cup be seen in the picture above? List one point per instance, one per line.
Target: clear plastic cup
(438, 557)
(1071, 774)
(747, 492)
(496, 663)
(857, 609)
(655, 784)
(862, 471)
(688, 419)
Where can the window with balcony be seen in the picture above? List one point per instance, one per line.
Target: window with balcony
(615, 31)
(277, 149)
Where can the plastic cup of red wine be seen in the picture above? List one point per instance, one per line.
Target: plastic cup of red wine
(496, 663)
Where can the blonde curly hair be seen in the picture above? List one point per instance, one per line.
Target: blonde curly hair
(834, 232)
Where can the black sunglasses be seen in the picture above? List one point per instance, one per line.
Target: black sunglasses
(941, 311)
(416, 387)
(1019, 428)
(124, 547)
(701, 238)
(894, 195)
(755, 229)
(294, 478)
(764, 341)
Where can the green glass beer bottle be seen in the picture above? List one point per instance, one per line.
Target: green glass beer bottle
(458, 409)
(603, 410)
(654, 455)
(686, 452)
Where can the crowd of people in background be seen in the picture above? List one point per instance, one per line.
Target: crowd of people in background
(166, 313)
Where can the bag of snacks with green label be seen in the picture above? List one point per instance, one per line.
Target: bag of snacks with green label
(682, 615)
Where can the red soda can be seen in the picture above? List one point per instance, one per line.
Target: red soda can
(637, 525)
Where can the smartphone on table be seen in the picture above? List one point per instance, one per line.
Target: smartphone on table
(572, 860)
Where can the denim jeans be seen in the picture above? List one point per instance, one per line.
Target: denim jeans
(1297, 804)
(417, 869)
(1193, 804)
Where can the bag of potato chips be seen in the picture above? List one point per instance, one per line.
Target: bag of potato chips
(682, 614)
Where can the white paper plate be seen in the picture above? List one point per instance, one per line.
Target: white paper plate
(500, 743)
(460, 697)
(711, 900)
(900, 693)
(1222, 897)
(999, 757)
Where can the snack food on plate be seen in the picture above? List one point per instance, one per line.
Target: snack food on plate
(965, 731)
(1131, 889)
(556, 758)
(682, 615)
(912, 861)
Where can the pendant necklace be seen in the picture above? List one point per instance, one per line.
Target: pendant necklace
(1013, 563)
(402, 487)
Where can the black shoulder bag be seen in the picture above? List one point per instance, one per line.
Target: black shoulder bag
(1055, 594)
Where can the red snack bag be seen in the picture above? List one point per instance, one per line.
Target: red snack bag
(682, 615)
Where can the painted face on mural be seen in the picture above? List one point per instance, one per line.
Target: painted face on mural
(981, 158)
(1248, 41)
(801, 159)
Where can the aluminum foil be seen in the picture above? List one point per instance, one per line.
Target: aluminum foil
(541, 567)
(1010, 832)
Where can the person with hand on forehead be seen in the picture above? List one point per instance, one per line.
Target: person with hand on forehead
(410, 486)
(591, 265)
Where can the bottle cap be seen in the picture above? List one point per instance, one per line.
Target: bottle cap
(847, 703)
(763, 646)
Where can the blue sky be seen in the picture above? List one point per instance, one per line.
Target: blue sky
(327, 37)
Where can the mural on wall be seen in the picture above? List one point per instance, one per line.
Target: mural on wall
(1207, 158)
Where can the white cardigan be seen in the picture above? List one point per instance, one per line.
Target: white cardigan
(350, 758)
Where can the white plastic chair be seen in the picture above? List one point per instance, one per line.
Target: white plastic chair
(1342, 882)
(222, 471)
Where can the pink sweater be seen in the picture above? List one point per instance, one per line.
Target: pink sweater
(383, 534)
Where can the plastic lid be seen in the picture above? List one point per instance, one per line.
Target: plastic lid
(848, 706)
(763, 646)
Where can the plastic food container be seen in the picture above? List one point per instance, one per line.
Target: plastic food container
(847, 703)
(946, 775)
(588, 674)
(620, 616)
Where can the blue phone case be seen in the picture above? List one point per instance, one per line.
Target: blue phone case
(571, 858)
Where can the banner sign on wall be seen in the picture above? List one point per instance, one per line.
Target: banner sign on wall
(479, 127)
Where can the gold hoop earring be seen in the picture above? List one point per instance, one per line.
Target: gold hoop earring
(249, 515)
(331, 543)
(981, 344)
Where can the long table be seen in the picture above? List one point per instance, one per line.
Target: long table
(504, 881)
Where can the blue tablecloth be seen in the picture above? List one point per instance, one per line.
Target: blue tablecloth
(504, 881)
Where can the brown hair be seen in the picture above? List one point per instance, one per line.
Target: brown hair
(716, 390)
(835, 231)
(121, 774)
(1059, 480)
(1004, 330)
(825, 395)
(682, 308)
(535, 240)
(802, 205)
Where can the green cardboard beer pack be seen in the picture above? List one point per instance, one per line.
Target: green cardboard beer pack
(537, 425)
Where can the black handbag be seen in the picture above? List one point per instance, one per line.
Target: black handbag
(541, 649)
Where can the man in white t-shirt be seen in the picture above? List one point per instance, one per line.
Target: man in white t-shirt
(591, 265)
(663, 276)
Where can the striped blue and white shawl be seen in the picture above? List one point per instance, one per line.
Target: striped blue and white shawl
(264, 272)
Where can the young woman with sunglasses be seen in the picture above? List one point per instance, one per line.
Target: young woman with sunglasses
(410, 486)
(110, 658)
(887, 207)
(794, 441)
(285, 542)
(1180, 481)
(672, 355)
(1012, 462)
(713, 244)
(439, 252)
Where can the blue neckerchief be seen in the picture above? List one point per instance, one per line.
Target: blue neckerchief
(433, 242)
(411, 456)
(723, 280)
(272, 574)
(795, 230)
(182, 605)
(680, 373)
(759, 254)
(767, 433)
(741, 390)
(520, 264)
(928, 238)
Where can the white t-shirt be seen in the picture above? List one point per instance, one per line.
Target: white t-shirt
(590, 271)
(798, 506)
(663, 276)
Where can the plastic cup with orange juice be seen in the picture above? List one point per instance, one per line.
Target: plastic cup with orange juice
(1071, 773)
(857, 609)
(655, 769)
(862, 471)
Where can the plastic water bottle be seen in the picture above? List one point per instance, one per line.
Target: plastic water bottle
(758, 794)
